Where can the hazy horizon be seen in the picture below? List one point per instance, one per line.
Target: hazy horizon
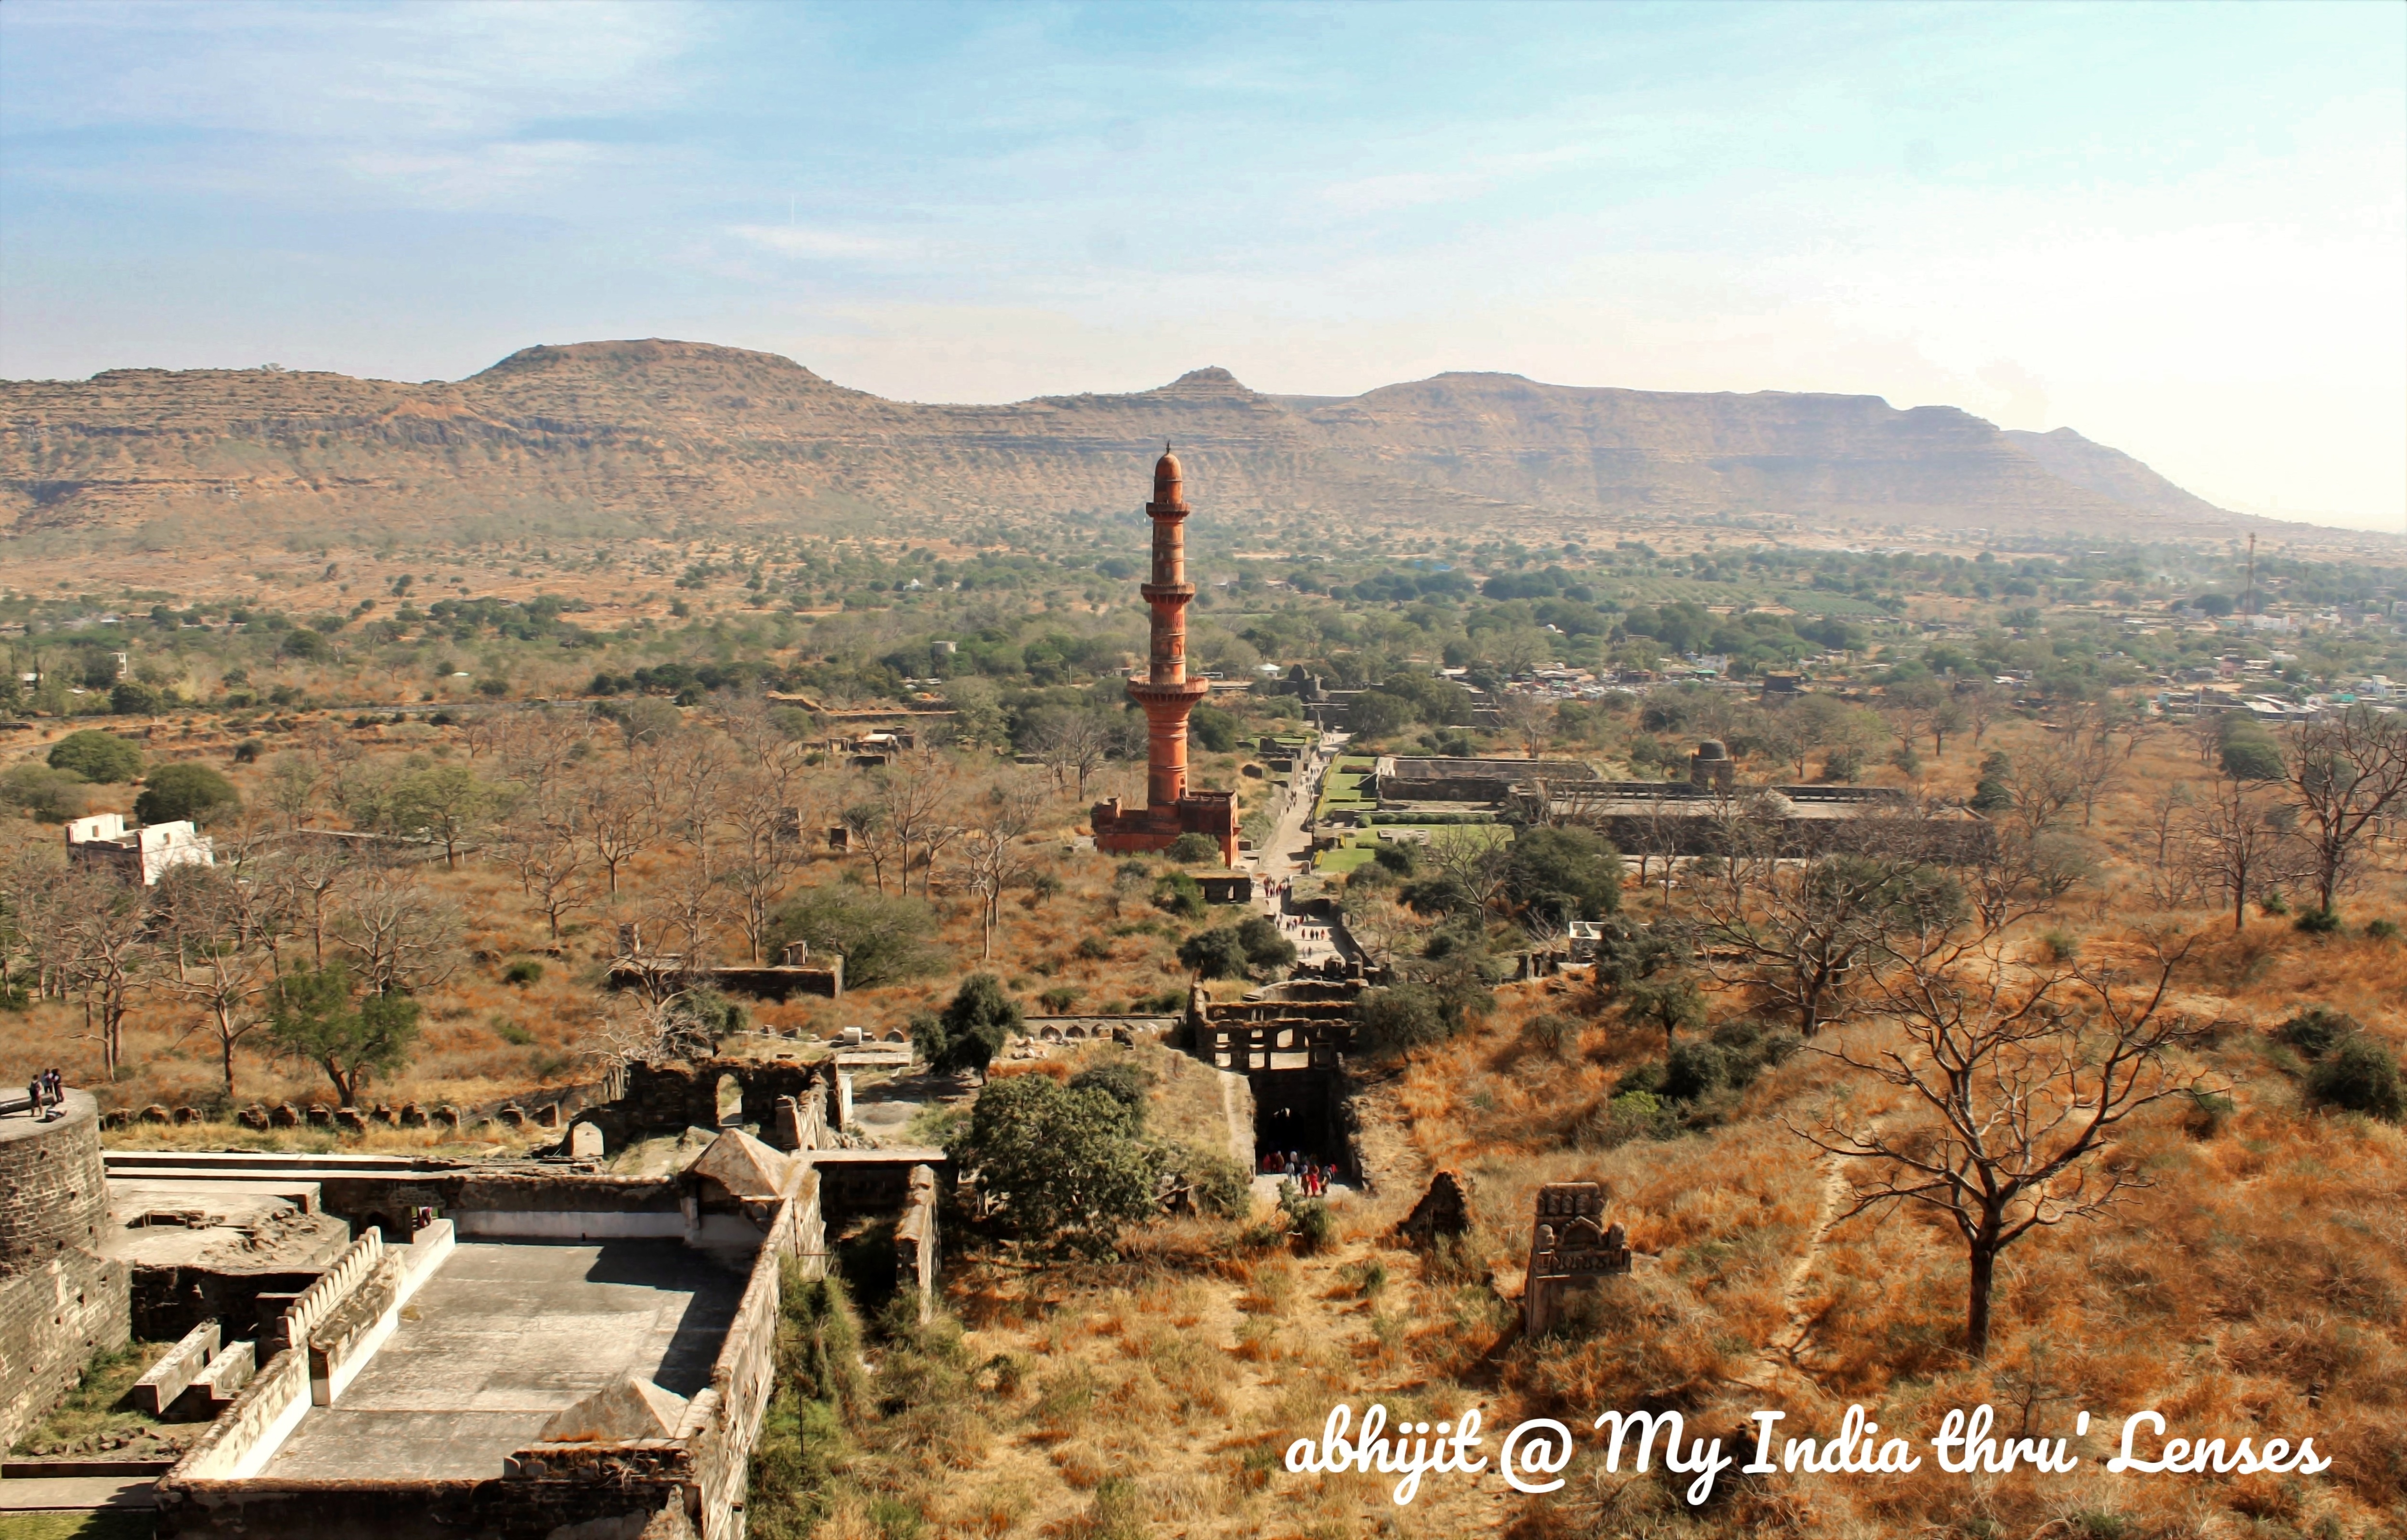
(2179, 231)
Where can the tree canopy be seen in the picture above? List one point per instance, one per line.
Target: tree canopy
(184, 790)
(882, 937)
(96, 756)
(313, 1015)
(1061, 1167)
(1565, 873)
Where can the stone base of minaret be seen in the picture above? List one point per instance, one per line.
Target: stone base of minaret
(1213, 813)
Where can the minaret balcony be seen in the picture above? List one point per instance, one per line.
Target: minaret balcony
(1145, 692)
(1167, 590)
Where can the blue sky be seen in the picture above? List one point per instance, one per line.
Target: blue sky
(2180, 229)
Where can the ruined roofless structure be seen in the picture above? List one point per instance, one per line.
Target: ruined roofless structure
(1167, 696)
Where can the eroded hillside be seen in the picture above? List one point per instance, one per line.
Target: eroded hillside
(667, 435)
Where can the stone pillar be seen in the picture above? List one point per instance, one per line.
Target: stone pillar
(1711, 768)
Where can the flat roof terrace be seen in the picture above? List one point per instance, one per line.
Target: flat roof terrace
(507, 1334)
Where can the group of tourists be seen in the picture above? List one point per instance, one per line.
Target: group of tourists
(1307, 1174)
(45, 1092)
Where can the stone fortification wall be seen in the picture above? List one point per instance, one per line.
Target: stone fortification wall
(724, 1422)
(60, 1300)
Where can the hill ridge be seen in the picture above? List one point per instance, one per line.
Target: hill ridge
(663, 430)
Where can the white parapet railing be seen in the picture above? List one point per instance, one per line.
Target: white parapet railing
(333, 1285)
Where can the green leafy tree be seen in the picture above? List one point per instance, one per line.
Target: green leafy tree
(185, 790)
(96, 756)
(1995, 791)
(1178, 893)
(973, 1027)
(1214, 728)
(1194, 849)
(1214, 1183)
(1563, 873)
(1375, 714)
(1669, 1001)
(1265, 947)
(314, 1016)
(1238, 951)
(52, 796)
(1126, 1083)
(1217, 954)
(306, 645)
(821, 1390)
(2250, 753)
(883, 937)
(2361, 1077)
(447, 803)
(131, 697)
(1399, 1018)
(1059, 1168)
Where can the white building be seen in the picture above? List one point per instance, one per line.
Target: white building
(106, 839)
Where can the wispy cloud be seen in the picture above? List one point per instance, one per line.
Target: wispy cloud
(834, 244)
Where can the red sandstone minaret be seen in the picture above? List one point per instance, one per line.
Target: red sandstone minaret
(1167, 696)
(1164, 693)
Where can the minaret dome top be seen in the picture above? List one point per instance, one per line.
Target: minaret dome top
(1167, 477)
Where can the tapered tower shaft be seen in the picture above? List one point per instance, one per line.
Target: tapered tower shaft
(1165, 693)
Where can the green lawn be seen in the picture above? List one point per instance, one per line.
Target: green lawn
(97, 1409)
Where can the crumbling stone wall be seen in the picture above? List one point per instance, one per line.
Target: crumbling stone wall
(60, 1301)
(671, 1098)
(1571, 1248)
(1445, 1209)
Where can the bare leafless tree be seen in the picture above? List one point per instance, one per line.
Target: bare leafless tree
(2091, 762)
(995, 854)
(302, 884)
(217, 933)
(109, 955)
(2348, 771)
(549, 854)
(686, 776)
(1073, 745)
(1982, 704)
(36, 898)
(645, 1027)
(682, 915)
(616, 817)
(1798, 933)
(2157, 845)
(403, 937)
(1528, 719)
(2043, 786)
(766, 815)
(2015, 1078)
(916, 798)
(2244, 844)
(297, 783)
(1478, 858)
(537, 748)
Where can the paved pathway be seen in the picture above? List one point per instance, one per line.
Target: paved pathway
(1288, 855)
(77, 1493)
